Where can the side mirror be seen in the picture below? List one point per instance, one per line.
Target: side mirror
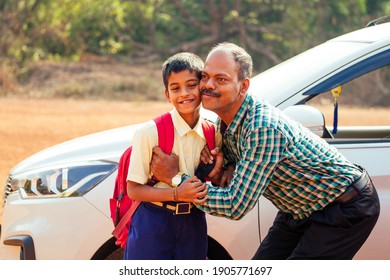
(308, 116)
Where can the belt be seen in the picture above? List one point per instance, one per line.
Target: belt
(178, 208)
(354, 189)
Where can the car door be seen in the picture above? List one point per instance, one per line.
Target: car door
(367, 141)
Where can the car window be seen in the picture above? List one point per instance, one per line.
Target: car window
(292, 74)
(373, 62)
(364, 101)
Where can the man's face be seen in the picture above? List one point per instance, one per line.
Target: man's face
(219, 85)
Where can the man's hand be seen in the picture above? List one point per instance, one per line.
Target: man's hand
(215, 175)
(192, 190)
(205, 156)
(227, 176)
(163, 166)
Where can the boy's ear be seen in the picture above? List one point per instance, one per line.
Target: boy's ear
(167, 95)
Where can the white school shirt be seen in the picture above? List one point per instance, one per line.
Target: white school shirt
(188, 144)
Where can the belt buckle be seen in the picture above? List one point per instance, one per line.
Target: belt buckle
(183, 208)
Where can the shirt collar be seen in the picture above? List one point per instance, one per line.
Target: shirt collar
(237, 120)
(182, 127)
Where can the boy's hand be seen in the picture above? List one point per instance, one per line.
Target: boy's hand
(163, 166)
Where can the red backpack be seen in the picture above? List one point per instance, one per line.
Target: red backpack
(122, 207)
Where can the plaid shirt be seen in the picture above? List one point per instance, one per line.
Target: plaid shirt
(277, 157)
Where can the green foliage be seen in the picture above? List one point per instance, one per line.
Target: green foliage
(272, 30)
(94, 26)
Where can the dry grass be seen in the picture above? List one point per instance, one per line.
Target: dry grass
(30, 125)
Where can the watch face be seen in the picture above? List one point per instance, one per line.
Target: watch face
(176, 180)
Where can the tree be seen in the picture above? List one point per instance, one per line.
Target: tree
(272, 30)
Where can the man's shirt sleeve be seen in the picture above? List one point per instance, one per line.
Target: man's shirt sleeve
(259, 155)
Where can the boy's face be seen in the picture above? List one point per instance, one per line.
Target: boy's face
(183, 92)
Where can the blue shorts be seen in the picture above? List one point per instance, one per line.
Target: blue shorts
(157, 233)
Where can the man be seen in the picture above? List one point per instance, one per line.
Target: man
(327, 205)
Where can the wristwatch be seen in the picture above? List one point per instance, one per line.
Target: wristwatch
(176, 180)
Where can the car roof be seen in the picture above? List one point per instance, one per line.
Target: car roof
(367, 35)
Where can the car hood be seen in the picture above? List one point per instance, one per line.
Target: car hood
(105, 145)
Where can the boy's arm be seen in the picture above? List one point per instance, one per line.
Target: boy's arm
(191, 190)
(139, 171)
(137, 191)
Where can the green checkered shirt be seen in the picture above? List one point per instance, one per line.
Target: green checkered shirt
(277, 157)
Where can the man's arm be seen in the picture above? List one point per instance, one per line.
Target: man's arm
(165, 167)
(260, 152)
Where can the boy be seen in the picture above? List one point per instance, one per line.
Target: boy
(156, 232)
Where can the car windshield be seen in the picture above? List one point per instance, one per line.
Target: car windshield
(303, 70)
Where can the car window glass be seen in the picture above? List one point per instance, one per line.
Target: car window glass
(364, 101)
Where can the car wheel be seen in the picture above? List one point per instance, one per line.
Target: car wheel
(216, 251)
(109, 251)
(116, 255)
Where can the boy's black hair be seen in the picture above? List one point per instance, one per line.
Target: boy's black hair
(181, 62)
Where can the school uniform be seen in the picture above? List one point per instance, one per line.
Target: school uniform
(169, 230)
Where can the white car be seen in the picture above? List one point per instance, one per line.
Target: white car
(56, 201)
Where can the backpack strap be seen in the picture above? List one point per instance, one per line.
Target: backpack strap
(209, 133)
(204, 169)
(166, 132)
(166, 135)
(123, 166)
(126, 218)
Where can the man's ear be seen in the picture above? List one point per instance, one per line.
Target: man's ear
(167, 95)
(244, 85)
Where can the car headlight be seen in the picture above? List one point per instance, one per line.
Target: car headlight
(61, 181)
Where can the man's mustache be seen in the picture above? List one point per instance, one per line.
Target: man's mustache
(210, 92)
